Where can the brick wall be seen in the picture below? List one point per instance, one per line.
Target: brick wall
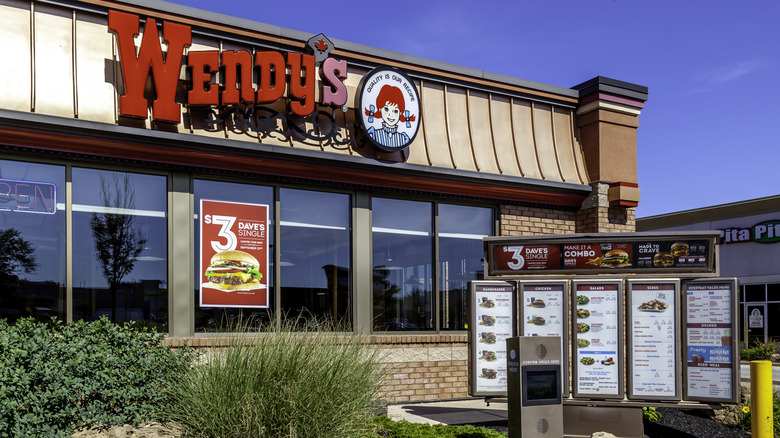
(606, 220)
(518, 220)
(422, 368)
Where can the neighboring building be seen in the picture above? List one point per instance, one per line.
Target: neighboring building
(370, 212)
(749, 250)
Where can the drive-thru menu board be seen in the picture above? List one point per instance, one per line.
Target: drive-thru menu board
(652, 332)
(596, 331)
(491, 307)
(711, 365)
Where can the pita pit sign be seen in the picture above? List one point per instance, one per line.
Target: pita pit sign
(234, 68)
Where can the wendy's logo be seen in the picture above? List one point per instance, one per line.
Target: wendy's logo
(389, 109)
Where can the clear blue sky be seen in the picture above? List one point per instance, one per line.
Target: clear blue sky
(709, 133)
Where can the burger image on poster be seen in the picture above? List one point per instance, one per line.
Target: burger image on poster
(234, 270)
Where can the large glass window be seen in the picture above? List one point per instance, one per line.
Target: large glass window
(461, 229)
(227, 318)
(315, 256)
(32, 240)
(402, 242)
(120, 246)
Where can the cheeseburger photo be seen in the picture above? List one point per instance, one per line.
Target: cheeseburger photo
(680, 249)
(663, 260)
(615, 259)
(233, 270)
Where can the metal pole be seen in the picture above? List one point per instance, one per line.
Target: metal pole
(761, 399)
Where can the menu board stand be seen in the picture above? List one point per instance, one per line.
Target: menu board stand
(711, 365)
(597, 338)
(653, 339)
(492, 310)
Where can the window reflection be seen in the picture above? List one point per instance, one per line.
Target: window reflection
(315, 256)
(402, 243)
(232, 318)
(461, 229)
(32, 240)
(120, 237)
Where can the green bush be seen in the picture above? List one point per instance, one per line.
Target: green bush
(405, 429)
(651, 414)
(58, 377)
(293, 382)
(759, 351)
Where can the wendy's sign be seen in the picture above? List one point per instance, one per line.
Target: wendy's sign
(389, 108)
(236, 70)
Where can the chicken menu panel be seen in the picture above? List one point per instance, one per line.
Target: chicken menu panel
(492, 310)
(542, 310)
(709, 352)
(652, 330)
(596, 334)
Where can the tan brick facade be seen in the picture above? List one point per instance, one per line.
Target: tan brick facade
(518, 220)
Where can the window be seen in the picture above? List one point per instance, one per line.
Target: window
(120, 246)
(402, 242)
(32, 214)
(227, 318)
(315, 256)
(461, 229)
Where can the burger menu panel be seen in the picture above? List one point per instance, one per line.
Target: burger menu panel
(653, 327)
(710, 362)
(233, 254)
(597, 339)
(492, 306)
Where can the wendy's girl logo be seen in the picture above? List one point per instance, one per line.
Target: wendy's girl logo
(389, 108)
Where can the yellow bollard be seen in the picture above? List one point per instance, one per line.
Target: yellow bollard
(761, 424)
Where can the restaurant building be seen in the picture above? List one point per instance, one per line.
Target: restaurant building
(749, 251)
(362, 181)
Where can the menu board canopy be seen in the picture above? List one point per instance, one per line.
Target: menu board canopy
(688, 254)
(491, 310)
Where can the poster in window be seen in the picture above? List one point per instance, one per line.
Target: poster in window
(233, 254)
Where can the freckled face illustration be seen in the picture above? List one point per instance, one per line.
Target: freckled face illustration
(391, 114)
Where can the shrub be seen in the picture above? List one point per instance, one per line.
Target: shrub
(744, 421)
(651, 414)
(57, 377)
(759, 351)
(294, 381)
(405, 429)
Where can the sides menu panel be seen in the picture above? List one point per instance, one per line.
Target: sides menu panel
(711, 365)
(492, 312)
(652, 332)
(597, 338)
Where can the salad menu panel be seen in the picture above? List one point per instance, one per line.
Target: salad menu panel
(492, 311)
(710, 361)
(596, 338)
(652, 330)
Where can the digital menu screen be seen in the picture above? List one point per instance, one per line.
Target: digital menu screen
(596, 338)
(492, 310)
(652, 332)
(709, 329)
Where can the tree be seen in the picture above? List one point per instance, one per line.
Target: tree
(16, 254)
(117, 240)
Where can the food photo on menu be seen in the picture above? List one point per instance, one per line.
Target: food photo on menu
(653, 306)
(536, 303)
(536, 320)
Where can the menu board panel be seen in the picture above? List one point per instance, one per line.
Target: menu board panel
(711, 363)
(652, 328)
(597, 339)
(624, 253)
(543, 312)
(492, 323)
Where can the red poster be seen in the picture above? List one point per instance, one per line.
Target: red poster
(233, 254)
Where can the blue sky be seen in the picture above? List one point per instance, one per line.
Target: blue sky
(709, 132)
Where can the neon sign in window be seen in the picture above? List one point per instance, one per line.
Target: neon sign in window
(28, 196)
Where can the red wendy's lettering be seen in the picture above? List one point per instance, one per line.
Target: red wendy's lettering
(237, 67)
(136, 68)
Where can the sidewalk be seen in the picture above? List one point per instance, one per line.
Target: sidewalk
(467, 411)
